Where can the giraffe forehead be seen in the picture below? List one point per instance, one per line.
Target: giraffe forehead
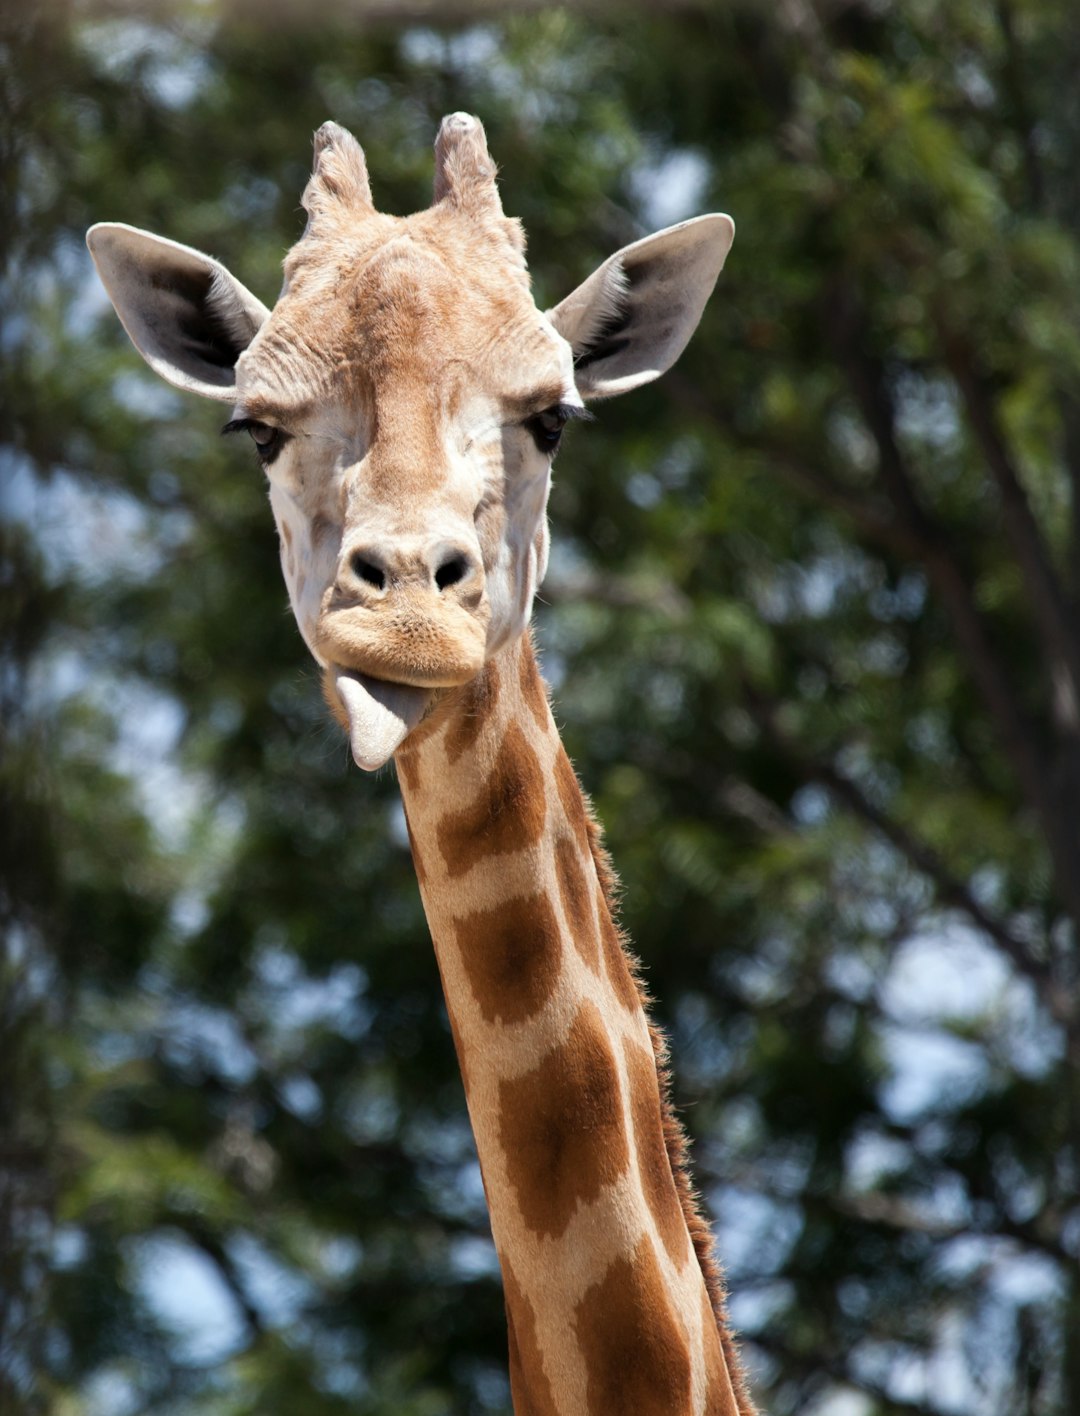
(402, 304)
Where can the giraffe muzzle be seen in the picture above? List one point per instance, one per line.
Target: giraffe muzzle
(405, 639)
(388, 659)
(407, 610)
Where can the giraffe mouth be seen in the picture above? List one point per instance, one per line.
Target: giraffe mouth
(379, 715)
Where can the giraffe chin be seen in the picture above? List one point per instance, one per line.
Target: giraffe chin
(381, 715)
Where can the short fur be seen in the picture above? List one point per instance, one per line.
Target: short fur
(675, 1139)
(406, 397)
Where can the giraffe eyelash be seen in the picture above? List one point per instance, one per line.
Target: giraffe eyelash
(267, 448)
(571, 412)
(546, 426)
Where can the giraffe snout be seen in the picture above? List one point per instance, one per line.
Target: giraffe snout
(372, 571)
(408, 610)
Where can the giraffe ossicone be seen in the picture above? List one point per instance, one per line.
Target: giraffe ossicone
(406, 398)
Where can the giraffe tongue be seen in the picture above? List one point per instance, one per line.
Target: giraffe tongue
(381, 715)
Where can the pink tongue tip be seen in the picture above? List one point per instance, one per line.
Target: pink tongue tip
(381, 715)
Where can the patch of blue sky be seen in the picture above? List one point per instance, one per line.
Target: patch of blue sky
(277, 1291)
(296, 1001)
(928, 1070)
(952, 978)
(172, 60)
(670, 188)
(111, 1392)
(196, 1035)
(185, 1291)
(94, 534)
(473, 1256)
(754, 1231)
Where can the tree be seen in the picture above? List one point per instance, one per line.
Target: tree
(811, 625)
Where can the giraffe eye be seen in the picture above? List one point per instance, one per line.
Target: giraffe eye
(268, 440)
(546, 428)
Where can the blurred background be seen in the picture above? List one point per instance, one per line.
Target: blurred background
(812, 631)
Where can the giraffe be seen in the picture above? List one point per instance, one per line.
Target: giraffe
(406, 398)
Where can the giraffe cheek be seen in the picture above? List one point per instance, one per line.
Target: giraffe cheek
(303, 596)
(510, 599)
(542, 545)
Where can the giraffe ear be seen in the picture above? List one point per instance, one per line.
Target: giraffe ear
(634, 315)
(186, 315)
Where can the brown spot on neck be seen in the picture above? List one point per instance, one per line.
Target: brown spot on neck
(507, 816)
(636, 1352)
(459, 1047)
(533, 691)
(418, 864)
(408, 770)
(617, 958)
(654, 1164)
(561, 1127)
(512, 955)
(530, 1389)
(571, 797)
(474, 711)
(577, 901)
(723, 1395)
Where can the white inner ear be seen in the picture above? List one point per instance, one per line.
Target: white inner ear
(597, 302)
(224, 301)
(632, 318)
(185, 313)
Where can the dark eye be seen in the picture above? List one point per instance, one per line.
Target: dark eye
(268, 441)
(546, 428)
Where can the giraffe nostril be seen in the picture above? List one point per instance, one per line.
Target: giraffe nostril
(451, 572)
(366, 570)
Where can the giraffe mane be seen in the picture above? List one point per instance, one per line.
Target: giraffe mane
(676, 1141)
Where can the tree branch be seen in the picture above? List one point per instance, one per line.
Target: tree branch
(873, 520)
(1051, 615)
(1070, 422)
(866, 376)
(1013, 74)
(910, 534)
(211, 1245)
(896, 1212)
(807, 1365)
(950, 889)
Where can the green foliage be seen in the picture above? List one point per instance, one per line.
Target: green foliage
(811, 625)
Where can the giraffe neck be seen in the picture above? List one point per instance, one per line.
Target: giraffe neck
(608, 1302)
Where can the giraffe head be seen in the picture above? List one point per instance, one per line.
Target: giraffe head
(406, 398)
